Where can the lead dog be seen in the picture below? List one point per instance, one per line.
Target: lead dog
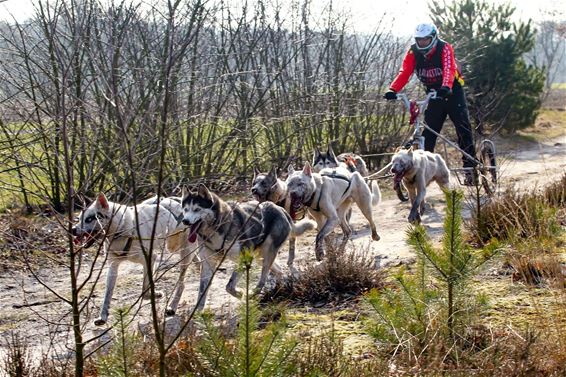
(328, 197)
(226, 229)
(126, 232)
(417, 169)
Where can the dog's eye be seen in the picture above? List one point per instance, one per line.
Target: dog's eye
(197, 209)
(90, 219)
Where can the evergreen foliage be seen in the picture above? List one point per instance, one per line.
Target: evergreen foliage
(253, 352)
(415, 308)
(503, 89)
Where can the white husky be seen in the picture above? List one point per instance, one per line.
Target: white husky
(417, 168)
(127, 235)
(328, 197)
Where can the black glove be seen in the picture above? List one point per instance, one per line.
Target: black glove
(390, 95)
(443, 92)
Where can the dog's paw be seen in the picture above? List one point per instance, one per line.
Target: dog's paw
(169, 312)
(375, 236)
(147, 295)
(414, 217)
(294, 272)
(234, 292)
(99, 322)
(319, 253)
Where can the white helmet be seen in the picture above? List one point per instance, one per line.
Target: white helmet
(424, 31)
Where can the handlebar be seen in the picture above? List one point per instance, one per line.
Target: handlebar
(415, 108)
(421, 104)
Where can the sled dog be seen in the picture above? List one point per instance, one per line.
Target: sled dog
(417, 169)
(350, 161)
(225, 229)
(267, 187)
(328, 196)
(126, 236)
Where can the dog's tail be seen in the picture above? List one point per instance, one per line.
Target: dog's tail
(375, 193)
(302, 226)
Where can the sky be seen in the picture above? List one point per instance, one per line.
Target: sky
(364, 14)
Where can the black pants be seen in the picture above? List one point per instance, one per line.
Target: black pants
(455, 107)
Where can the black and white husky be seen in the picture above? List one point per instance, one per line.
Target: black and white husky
(349, 161)
(128, 233)
(328, 197)
(225, 229)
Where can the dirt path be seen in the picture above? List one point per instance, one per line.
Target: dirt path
(41, 324)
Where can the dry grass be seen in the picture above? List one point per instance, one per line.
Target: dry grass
(515, 215)
(538, 270)
(342, 276)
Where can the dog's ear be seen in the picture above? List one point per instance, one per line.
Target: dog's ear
(330, 151)
(272, 172)
(307, 169)
(315, 154)
(184, 192)
(398, 149)
(204, 192)
(101, 201)
(410, 151)
(290, 169)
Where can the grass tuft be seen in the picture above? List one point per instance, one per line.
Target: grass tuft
(343, 275)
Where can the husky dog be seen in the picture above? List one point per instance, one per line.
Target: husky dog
(350, 161)
(267, 187)
(226, 229)
(417, 168)
(328, 196)
(127, 235)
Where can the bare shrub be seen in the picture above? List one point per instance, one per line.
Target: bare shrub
(341, 276)
(17, 361)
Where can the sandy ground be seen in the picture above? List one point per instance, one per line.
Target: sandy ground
(45, 324)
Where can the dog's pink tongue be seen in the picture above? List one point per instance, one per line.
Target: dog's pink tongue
(193, 233)
(397, 180)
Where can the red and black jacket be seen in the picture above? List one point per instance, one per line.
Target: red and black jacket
(435, 69)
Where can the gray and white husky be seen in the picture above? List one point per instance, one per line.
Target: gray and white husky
(349, 161)
(225, 229)
(126, 232)
(328, 197)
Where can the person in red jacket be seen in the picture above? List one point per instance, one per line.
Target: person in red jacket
(433, 61)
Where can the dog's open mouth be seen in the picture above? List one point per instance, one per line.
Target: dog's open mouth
(296, 205)
(397, 179)
(84, 240)
(193, 231)
(259, 198)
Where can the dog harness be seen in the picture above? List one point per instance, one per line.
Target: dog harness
(332, 175)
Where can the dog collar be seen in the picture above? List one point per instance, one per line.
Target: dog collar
(309, 202)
